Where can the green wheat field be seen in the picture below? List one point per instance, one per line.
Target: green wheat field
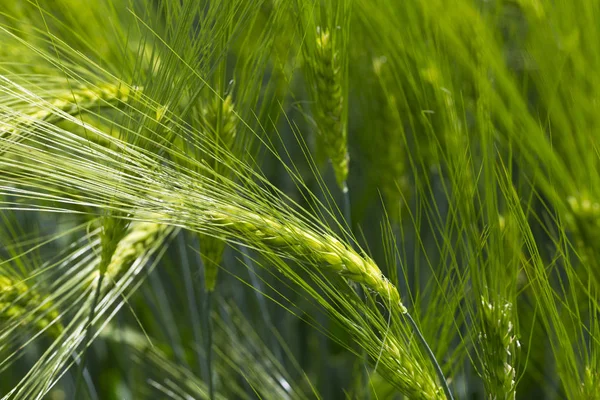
(299, 199)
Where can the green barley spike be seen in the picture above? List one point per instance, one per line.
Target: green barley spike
(71, 102)
(17, 300)
(590, 387)
(389, 157)
(500, 350)
(140, 237)
(322, 249)
(329, 111)
(125, 245)
(220, 122)
(582, 218)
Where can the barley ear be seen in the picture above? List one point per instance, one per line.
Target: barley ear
(17, 300)
(583, 220)
(71, 102)
(327, 70)
(388, 155)
(583, 214)
(140, 237)
(415, 381)
(500, 349)
(590, 387)
(293, 240)
(117, 255)
(220, 122)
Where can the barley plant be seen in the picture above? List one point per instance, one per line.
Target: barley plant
(299, 199)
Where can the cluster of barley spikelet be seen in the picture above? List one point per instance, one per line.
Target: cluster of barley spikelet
(303, 244)
(584, 213)
(457, 142)
(327, 69)
(583, 220)
(18, 300)
(292, 240)
(590, 387)
(139, 238)
(220, 121)
(415, 381)
(71, 102)
(500, 345)
(85, 98)
(390, 159)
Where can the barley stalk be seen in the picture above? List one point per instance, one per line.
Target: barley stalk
(327, 70)
(220, 122)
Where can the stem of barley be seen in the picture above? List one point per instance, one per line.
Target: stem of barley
(87, 378)
(347, 210)
(209, 331)
(88, 335)
(191, 296)
(438, 369)
(262, 304)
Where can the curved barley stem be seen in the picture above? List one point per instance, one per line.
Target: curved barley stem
(438, 369)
